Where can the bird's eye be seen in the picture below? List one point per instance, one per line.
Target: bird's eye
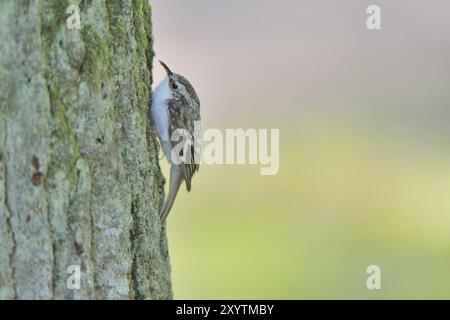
(174, 86)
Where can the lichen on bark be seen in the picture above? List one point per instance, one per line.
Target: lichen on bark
(80, 182)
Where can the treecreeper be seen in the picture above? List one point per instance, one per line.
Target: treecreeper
(175, 111)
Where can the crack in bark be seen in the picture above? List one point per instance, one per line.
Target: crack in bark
(51, 236)
(8, 210)
(133, 272)
(91, 254)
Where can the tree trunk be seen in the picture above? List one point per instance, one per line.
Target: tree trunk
(80, 183)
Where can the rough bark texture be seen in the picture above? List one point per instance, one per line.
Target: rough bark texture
(80, 182)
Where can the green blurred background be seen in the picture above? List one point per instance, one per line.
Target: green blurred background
(364, 148)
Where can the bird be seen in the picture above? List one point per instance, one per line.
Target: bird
(176, 108)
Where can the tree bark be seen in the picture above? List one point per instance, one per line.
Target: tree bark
(80, 183)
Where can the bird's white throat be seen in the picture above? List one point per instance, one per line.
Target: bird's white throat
(162, 92)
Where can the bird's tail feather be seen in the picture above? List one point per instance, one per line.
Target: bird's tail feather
(175, 182)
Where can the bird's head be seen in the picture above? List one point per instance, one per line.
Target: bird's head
(179, 86)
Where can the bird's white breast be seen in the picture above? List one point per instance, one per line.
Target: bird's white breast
(160, 114)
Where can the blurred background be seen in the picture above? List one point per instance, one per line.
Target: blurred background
(364, 148)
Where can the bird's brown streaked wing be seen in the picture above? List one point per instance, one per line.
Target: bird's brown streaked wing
(182, 117)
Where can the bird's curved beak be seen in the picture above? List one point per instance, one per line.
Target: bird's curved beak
(166, 68)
